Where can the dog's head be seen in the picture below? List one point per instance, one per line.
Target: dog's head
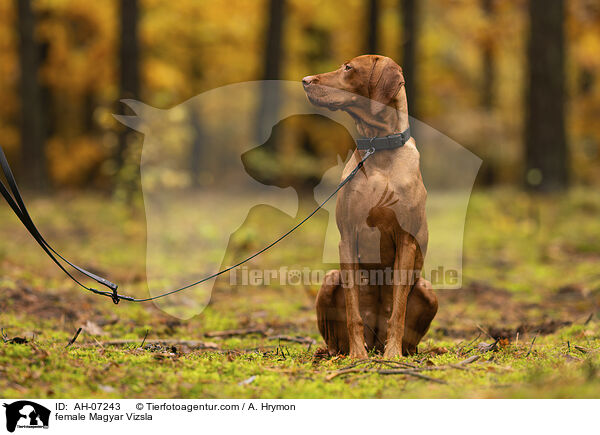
(377, 79)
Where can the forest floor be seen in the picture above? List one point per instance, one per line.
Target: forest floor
(524, 325)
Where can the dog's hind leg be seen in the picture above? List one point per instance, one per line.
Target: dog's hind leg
(331, 314)
(421, 308)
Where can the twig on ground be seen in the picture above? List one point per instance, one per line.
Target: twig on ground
(145, 336)
(357, 363)
(190, 343)
(281, 350)
(589, 319)
(470, 342)
(248, 349)
(14, 340)
(411, 373)
(297, 339)
(467, 361)
(396, 363)
(234, 332)
(408, 372)
(531, 347)
(484, 347)
(97, 342)
(396, 370)
(72, 340)
(484, 331)
(346, 371)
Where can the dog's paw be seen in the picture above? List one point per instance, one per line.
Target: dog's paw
(392, 351)
(359, 352)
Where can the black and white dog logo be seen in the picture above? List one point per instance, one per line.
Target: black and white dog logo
(26, 414)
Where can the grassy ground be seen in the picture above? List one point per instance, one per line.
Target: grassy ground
(524, 324)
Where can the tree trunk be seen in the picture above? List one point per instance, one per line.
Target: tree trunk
(129, 65)
(33, 156)
(487, 172)
(272, 64)
(273, 41)
(545, 137)
(410, 29)
(372, 27)
(487, 91)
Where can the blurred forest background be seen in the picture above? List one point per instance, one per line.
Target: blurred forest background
(515, 81)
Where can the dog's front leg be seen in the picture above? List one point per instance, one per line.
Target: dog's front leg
(404, 264)
(356, 334)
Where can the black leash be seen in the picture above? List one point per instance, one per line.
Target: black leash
(16, 203)
(18, 206)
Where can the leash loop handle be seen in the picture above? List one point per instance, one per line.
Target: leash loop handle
(16, 203)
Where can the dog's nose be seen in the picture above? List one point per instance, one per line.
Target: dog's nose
(307, 80)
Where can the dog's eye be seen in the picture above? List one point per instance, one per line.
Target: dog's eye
(347, 67)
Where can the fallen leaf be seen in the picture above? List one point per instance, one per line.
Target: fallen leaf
(247, 381)
(92, 328)
(107, 388)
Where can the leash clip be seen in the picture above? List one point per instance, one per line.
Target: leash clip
(372, 149)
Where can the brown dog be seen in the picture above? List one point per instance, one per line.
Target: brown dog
(381, 218)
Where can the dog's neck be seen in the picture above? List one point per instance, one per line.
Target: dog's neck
(389, 121)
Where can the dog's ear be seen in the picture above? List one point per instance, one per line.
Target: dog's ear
(384, 83)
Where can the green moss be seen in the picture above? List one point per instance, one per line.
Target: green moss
(525, 249)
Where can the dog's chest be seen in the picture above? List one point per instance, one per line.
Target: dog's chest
(382, 200)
